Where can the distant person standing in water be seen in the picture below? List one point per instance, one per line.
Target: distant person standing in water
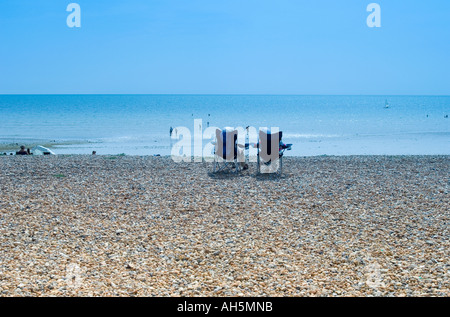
(171, 130)
(22, 151)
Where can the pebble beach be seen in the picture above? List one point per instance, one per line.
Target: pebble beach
(84, 225)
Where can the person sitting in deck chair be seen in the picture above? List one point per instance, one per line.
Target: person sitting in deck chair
(227, 152)
(271, 150)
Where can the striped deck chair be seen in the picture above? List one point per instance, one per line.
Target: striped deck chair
(225, 151)
(270, 155)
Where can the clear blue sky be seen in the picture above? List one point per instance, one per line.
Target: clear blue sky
(221, 47)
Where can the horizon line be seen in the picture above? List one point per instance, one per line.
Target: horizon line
(213, 94)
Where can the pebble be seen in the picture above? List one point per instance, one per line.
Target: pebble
(146, 226)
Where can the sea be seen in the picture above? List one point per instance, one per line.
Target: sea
(314, 125)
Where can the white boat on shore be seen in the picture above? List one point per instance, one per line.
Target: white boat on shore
(41, 150)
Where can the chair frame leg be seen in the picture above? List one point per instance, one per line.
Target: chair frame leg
(217, 167)
(258, 167)
(281, 165)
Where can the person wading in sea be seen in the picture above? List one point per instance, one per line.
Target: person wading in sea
(22, 151)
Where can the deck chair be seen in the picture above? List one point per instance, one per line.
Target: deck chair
(270, 154)
(225, 151)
